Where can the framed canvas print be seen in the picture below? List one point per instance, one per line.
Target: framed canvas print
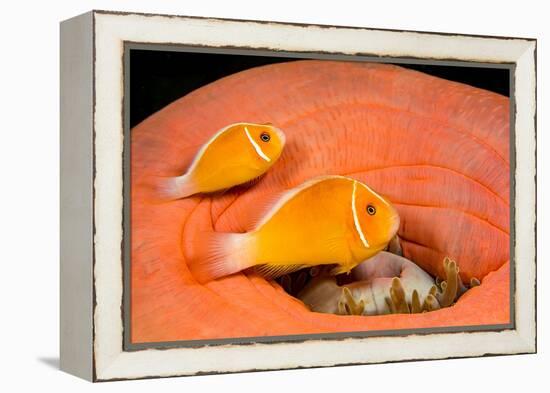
(245, 195)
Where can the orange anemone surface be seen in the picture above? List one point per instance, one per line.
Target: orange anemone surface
(438, 150)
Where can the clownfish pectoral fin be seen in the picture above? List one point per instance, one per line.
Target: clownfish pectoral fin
(220, 255)
(253, 182)
(338, 250)
(270, 272)
(340, 269)
(262, 209)
(171, 188)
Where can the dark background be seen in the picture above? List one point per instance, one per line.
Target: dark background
(159, 77)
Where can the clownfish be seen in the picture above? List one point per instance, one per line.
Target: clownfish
(236, 154)
(327, 220)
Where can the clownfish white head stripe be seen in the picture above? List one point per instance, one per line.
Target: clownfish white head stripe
(356, 219)
(256, 146)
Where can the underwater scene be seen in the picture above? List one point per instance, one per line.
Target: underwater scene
(293, 197)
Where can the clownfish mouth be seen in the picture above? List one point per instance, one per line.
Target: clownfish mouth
(394, 219)
(280, 134)
(394, 224)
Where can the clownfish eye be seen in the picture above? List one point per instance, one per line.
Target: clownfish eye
(371, 210)
(265, 137)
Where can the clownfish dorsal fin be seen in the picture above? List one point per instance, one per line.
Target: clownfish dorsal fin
(275, 201)
(204, 147)
(263, 205)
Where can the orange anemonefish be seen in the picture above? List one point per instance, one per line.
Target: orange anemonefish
(236, 154)
(327, 220)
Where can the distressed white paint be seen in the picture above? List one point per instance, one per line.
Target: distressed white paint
(112, 30)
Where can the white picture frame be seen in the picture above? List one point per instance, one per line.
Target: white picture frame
(92, 194)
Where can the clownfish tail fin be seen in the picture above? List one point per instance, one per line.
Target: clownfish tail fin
(221, 254)
(171, 188)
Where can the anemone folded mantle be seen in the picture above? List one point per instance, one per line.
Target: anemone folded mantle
(439, 150)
